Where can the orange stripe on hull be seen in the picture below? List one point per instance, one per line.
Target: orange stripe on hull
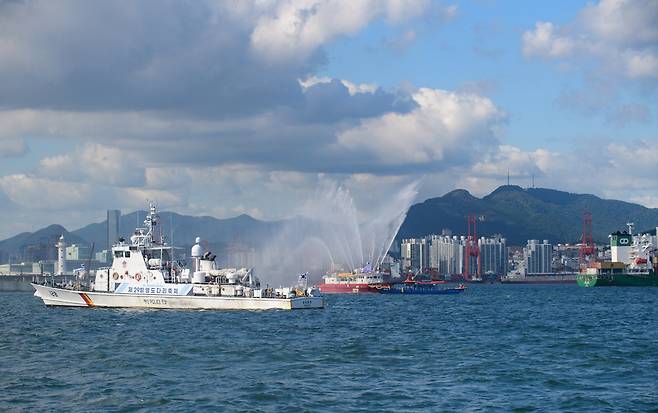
(87, 299)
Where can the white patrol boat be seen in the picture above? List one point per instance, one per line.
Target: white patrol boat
(145, 275)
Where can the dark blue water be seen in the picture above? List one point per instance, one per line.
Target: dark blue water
(493, 348)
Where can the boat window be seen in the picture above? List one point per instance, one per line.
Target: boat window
(133, 248)
(118, 254)
(127, 254)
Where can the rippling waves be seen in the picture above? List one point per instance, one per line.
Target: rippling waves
(493, 348)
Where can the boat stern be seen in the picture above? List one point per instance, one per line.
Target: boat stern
(299, 303)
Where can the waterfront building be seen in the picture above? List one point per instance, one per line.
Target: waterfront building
(538, 257)
(447, 254)
(76, 252)
(566, 258)
(415, 253)
(113, 219)
(493, 255)
(103, 256)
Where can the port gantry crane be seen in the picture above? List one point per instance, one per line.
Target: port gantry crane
(587, 249)
(472, 249)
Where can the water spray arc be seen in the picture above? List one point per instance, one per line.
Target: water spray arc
(338, 236)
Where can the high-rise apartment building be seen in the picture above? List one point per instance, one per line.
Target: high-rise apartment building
(415, 253)
(538, 257)
(493, 255)
(447, 254)
(113, 217)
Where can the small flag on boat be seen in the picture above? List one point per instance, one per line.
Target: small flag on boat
(302, 279)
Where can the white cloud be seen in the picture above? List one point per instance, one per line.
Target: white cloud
(295, 29)
(643, 65)
(545, 42)
(98, 164)
(625, 171)
(352, 88)
(620, 36)
(445, 125)
(622, 22)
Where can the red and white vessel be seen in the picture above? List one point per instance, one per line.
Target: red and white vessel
(351, 282)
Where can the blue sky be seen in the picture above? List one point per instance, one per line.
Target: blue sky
(222, 108)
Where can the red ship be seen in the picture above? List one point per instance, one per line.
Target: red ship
(351, 283)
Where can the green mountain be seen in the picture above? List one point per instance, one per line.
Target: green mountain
(239, 232)
(184, 229)
(36, 246)
(520, 214)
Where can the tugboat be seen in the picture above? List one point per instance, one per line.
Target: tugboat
(411, 286)
(145, 275)
(634, 263)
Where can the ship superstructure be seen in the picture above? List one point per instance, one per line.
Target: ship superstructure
(357, 281)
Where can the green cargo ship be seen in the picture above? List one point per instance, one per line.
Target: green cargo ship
(619, 279)
(634, 264)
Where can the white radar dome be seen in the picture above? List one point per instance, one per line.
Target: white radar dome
(197, 250)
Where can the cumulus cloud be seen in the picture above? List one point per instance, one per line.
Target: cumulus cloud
(217, 108)
(642, 65)
(621, 36)
(544, 41)
(149, 55)
(296, 28)
(623, 170)
(446, 126)
(96, 164)
(612, 41)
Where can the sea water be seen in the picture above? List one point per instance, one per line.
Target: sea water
(493, 348)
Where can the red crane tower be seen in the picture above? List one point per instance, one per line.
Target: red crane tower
(472, 248)
(587, 248)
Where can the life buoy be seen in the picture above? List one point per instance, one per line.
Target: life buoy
(115, 275)
(138, 277)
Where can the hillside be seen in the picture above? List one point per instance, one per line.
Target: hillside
(184, 229)
(38, 245)
(521, 214)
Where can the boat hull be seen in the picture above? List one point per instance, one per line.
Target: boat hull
(420, 290)
(542, 280)
(53, 296)
(346, 288)
(617, 280)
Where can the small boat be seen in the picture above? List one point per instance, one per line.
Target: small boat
(410, 286)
